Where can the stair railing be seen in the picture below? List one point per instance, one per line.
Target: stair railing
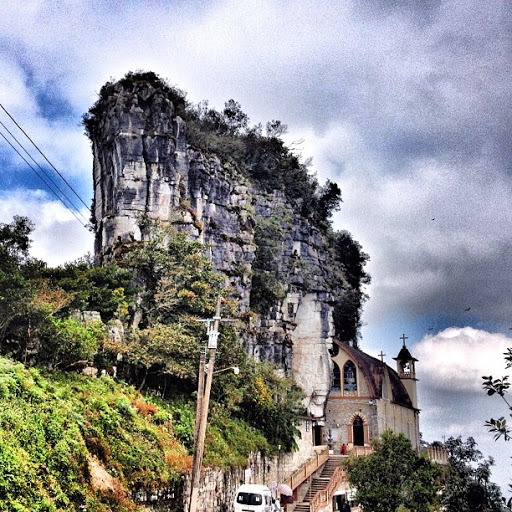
(308, 468)
(322, 498)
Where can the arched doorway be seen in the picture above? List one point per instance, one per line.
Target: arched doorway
(358, 431)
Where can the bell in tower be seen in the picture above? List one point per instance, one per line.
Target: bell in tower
(405, 365)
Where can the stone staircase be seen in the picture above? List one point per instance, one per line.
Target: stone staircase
(318, 482)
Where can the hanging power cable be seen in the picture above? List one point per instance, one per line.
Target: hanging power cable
(43, 155)
(43, 171)
(43, 180)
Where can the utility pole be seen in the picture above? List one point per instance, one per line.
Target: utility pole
(203, 399)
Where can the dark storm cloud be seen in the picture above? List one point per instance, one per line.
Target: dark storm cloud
(422, 11)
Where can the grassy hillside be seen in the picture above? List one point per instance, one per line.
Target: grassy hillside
(70, 442)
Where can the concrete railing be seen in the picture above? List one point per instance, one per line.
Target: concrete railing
(361, 450)
(308, 468)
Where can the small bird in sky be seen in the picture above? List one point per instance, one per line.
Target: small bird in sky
(467, 309)
(433, 218)
(430, 328)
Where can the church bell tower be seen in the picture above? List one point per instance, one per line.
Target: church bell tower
(405, 366)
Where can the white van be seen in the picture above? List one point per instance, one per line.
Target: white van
(253, 498)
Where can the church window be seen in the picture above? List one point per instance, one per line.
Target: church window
(349, 377)
(336, 378)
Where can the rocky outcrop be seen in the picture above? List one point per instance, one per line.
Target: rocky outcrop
(144, 167)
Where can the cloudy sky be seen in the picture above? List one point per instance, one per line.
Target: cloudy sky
(407, 105)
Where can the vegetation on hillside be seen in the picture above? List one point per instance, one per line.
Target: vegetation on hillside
(69, 442)
(174, 288)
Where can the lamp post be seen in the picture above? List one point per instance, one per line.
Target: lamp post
(203, 399)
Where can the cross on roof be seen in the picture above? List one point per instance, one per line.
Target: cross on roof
(381, 355)
(404, 337)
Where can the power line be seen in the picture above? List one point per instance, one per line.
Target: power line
(43, 171)
(44, 181)
(43, 155)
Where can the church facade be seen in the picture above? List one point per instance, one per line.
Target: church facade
(368, 397)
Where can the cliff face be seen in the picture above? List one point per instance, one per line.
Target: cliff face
(145, 167)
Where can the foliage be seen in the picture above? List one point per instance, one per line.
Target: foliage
(52, 426)
(349, 255)
(15, 288)
(499, 427)
(271, 405)
(267, 288)
(176, 277)
(105, 289)
(68, 340)
(394, 476)
(468, 486)
(500, 387)
(159, 350)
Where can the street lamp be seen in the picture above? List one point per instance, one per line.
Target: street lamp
(235, 369)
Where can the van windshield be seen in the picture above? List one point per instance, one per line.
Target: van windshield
(249, 498)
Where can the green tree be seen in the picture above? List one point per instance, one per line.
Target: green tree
(394, 476)
(15, 287)
(92, 288)
(499, 426)
(63, 342)
(175, 277)
(349, 254)
(160, 350)
(467, 485)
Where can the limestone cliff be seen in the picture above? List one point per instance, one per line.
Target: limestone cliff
(278, 263)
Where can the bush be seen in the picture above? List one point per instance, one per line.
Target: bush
(68, 340)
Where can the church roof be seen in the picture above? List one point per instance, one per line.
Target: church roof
(374, 372)
(404, 355)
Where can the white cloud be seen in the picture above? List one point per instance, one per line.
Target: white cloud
(456, 359)
(58, 236)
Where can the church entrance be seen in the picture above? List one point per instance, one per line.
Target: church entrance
(358, 431)
(317, 435)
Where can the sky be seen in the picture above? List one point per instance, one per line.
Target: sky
(406, 105)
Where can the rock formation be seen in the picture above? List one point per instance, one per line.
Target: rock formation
(145, 166)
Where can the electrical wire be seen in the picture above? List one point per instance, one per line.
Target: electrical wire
(44, 172)
(44, 181)
(43, 155)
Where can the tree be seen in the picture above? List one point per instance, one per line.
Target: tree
(394, 476)
(499, 427)
(175, 276)
(15, 289)
(234, 117)
(467, 485)
(351, 259)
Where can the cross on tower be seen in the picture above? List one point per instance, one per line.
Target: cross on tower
(381, 355)
(404, 337)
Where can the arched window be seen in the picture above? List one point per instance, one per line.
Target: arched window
(349, 377)
(336, 378)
